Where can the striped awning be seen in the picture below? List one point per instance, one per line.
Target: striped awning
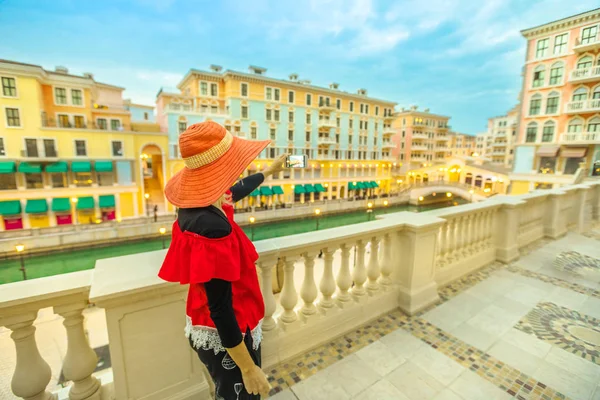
(573, 152)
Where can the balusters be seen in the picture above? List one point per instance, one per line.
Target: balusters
(308, 292)
(289, 296)
(359, 275)
(344, 278)
(439, 249)
(470, 236)
(451, 240)
(481, 236)
(265, 268)
(386, 264)
(32, 374)
(327, 285)
(80, 360)
(488, 229)
(373, 268)
(464, 225)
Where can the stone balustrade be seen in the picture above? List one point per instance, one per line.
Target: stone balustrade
(365, 270)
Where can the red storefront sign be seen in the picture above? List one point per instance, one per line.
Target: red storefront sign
(11, 224)
(65, 219)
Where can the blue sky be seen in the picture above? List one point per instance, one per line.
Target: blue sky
(460, 58)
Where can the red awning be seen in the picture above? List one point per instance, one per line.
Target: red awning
(573, 152)
(547, 151)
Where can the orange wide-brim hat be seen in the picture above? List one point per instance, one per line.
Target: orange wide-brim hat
(214, 159)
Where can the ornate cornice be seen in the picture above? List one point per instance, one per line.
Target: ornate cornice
(562, 24)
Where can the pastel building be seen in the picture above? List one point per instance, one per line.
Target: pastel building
(70, 152)
(559, 123)
(346, 136)
(498, 143)
(461, 144)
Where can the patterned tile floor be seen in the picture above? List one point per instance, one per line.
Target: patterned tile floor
(545, 328)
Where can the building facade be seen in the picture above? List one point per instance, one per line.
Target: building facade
(559, 123)
(498, 143)
(347, 137)
(461, 145)
(69, 150)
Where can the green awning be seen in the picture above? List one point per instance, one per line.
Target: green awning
(29, 168)
(299, 189)
(107, 201)
(374, 184)
(367, 185)
(81, 166)
(266, 191)
(319, 188)
(352, 186)
(60, 166)
(7, 167)
(361, 185)
(103, 166)
(11, 207)
(255, 193)
(36, 206)
(277, 189)
(308, 188)
(85, 203)
(61, 204)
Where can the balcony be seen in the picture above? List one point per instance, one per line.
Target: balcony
(52, 123)
(327, 123)
(418, 157)
(389, 131)
(441, 138)
(388, 144)
(589, 74)
(496, 152)
(419, 147)
(499, 144)
(590, 44)
(582, 106)
(404, 282)
(580, 138)
(326, 141)
(325, 106)
(420, 135)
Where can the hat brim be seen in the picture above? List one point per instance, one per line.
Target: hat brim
(201, 187)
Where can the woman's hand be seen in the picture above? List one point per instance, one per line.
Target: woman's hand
(276, 167)
(255, 381)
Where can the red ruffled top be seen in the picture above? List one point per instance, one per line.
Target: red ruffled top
(193, 259)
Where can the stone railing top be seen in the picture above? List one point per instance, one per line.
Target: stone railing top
(43, 292)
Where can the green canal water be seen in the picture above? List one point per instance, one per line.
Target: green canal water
(78, 260)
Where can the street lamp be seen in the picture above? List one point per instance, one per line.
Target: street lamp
(385, 204)
(147, 196)
(20, 248)
(369, 210)
(252, 221)
(317, 213)
(162, 234)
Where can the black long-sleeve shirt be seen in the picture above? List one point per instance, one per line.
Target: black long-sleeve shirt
(210, 222)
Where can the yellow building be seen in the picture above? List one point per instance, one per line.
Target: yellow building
(70, 152)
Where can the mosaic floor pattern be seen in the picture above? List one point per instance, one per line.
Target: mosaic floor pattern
(577, 264)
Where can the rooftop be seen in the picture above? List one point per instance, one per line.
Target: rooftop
(563, 22)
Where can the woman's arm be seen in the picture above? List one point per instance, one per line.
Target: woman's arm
(245, 186)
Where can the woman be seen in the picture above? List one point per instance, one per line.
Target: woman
(211, 253)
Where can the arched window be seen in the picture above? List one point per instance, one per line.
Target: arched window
(575, 125)
(531, 136)
(535, 104)
(594, 125)
(478, 180)
(585, 62)
(556, 73)
(596, 94)
(552, 103)
(469, 178)
(580, 94)
(182, 124)
(538, 76)
(548, 131)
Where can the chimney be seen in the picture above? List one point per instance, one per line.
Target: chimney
(88, 75)
(257, 70)
(362, 92)
(61, 69)
(334, 86)
(414, 108)
(293, 77)
(215, 68)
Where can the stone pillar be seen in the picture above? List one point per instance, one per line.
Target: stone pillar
(555, 224)
(507, 231)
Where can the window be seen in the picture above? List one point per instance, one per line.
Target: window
(60, 95)
(366, 108)
(556, 74)
(588, 35)
(269, 93)
(596, 94)
(538, 76)
(276, 94)
(34, 181)
(77, 97)
(117, 148)
(203, 88)
(181, 126)
(308, 119)
(49, 148)
(290, 97)
(542, 48)
(593, 126)
(552, 103)
(214, 109)
(12, 117)
(290, 135)
(2, 150)
(308, 136)
(308, 99)
(115, 124)
(272, 134)
(244, 89)
(58, 180)
(350, 123)
(535, 105)
(276, 114)
(350, 139)
(376, 110)
(547, 165)
(548, 132)
(80, 148)
(290, 116)
(9, 87)
(79, 121)
(253, 134)
(146, 116)
(560, 43)
(63, 121)
(585, 62)
(31, 148)
(580, 94)
(362, 108)
(338, 104)
(244, 112)
(575, 126)
(531, 136)
(351, 106)
(102, 123)
(214, 90)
